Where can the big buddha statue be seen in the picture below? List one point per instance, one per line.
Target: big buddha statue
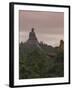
(32, 35)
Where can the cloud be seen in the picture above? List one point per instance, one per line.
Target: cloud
(49, 26)
(41, 20)
(50, 39)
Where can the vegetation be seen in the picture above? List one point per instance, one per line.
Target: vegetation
(43, 62)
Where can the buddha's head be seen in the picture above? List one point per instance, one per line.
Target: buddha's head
(32, 30)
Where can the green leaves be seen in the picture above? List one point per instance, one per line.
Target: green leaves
(35, 63)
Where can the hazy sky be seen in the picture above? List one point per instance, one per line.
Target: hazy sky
(49, 26)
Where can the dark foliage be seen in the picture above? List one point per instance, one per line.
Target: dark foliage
(37, 62)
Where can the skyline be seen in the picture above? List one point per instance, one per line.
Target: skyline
(49, 26)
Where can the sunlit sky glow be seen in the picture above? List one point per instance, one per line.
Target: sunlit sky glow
(49, 26)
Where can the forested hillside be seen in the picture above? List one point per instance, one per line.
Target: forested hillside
(40, 61)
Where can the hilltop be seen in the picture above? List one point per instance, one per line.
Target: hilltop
(39, 60)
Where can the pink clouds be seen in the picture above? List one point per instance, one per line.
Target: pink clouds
(49, 26)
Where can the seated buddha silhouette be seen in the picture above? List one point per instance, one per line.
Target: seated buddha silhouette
(32, 35)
